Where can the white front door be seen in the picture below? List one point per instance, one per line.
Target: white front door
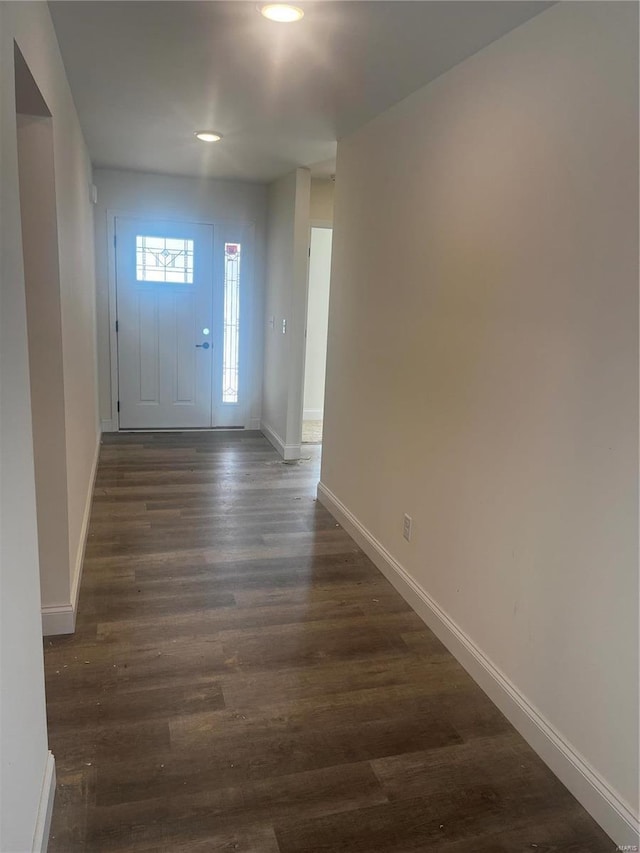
(181, 313)
(164, 278)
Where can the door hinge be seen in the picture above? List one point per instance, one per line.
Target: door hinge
(115, 241)
(309, 251)
(117, 327)
(118, 405)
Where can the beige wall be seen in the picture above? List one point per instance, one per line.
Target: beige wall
(285, 300)
(78, 299)
(173, 197)
(23, 736)
(321, 204)
(484, 327)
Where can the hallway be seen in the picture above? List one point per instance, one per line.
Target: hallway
(242, 678)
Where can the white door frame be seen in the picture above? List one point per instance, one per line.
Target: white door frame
(313, 223)
(112, 424)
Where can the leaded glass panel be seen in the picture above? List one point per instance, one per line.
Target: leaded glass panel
(164, 259)
(231, 332)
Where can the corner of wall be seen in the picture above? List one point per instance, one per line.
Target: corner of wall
(61, 619)
(289, 452)
(45, 807)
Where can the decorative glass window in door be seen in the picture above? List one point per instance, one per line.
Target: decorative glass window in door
(231, 331)
(164, 259)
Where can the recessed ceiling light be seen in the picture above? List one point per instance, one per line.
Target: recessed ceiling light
(283, 13)
(208, 135)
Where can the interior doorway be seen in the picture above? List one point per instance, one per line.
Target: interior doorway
(316, 334)
(39, 227)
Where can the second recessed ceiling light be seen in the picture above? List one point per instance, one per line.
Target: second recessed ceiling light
(283, 13)
(208, 135)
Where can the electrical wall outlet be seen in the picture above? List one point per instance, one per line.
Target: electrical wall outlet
(406, 527)
(284, 327)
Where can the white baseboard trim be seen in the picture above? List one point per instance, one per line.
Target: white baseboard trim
(614, 815)
(84, 530)
(45, 807)
(112, 426)
(289, 452)
(61, 619)
(312, 415)
(58, 619)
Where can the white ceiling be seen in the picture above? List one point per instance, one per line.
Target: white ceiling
(146, 75)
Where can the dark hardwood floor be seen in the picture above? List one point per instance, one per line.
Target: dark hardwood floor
(242, 678)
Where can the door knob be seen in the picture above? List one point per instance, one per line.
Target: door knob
(205, 345)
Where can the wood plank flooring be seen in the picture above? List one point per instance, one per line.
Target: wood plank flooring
(242, 678)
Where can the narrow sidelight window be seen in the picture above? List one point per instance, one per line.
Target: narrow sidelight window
(231, 341)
